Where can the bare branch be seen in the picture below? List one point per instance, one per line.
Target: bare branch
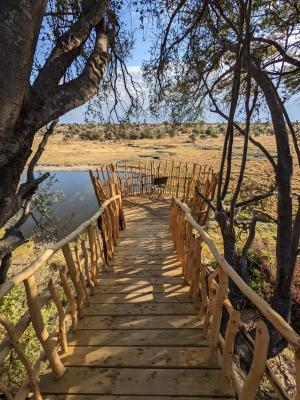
(40, 150)
(254, 199)
(207, 201)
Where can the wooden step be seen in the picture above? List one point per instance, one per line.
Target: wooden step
(143, 287)
(118, 397)
(137, 337)
(140, 281)
(139, 356)
(138, 309)
(132, 381)
(140, 297)
(139, 322)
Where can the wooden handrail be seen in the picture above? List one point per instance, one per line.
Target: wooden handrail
(276, 320)
(77, 280)
(211, 288)
(36, 264)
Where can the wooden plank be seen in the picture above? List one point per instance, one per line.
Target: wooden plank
(118, 397)
(137, 337)
(143, 267)
(137, 309)
(139, 322)
(138, 281)
(140, 273)
(137, 288)
(139, 297)
(144, 262)
(126, 381)
(139, 356)
(145, 258)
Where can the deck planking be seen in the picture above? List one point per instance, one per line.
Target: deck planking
(140, 337)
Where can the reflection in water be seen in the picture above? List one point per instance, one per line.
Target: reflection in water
(79, 202)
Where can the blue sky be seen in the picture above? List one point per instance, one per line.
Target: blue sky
(140, 54)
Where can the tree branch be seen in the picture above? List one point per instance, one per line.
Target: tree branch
(289, 59)
(254, 199)
(207, 201)
(78, 91)
(68, 48)
(40, 150)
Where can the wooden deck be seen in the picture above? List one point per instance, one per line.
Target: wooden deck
(140, 337)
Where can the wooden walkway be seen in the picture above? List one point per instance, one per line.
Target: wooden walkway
(140, 337)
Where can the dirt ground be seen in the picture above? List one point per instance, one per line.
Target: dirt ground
(68, 154)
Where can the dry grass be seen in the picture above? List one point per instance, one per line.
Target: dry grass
(74, 153)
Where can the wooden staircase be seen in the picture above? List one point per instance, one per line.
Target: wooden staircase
(140, 337)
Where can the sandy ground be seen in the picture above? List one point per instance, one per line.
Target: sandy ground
(74, 154)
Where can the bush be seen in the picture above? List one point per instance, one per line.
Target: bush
(133, 135)
(193, 137)
(172, 133)
(91, 135)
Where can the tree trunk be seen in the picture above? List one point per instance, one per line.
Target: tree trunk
(281, 301)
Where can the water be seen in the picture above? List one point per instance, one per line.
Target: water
(78, 205)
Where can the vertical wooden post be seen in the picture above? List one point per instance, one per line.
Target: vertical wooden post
(40, 328)
(86, 267)
(74, 274)
(217, 314)
(258, 366)
(70, 298)
(204, 289)
(81, 276)
(297, 368)
(227, 362)
(92, 243)
(61, 317)
(178, 180)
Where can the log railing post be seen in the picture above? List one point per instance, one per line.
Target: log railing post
(86, 267)
(40, 328)
(70, 298)
(217, 314)
(92, 244)
(61, 317)
(227, 362)
(258, 364)
(74, 274)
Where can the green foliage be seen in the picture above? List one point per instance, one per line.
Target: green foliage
(43, 202)
(257, 276)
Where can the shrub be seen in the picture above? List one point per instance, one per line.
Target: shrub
(193, 137)
(133, 135)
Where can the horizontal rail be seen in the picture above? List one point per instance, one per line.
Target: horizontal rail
(276, 320)
(36, 264)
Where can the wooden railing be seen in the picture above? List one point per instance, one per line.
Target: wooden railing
(75, 275)
(136, 178)
(210, 286)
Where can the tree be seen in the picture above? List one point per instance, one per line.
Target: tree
(245, 53)
(54, 56)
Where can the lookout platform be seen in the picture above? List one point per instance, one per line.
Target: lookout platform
(140, 337)
(136, 310)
